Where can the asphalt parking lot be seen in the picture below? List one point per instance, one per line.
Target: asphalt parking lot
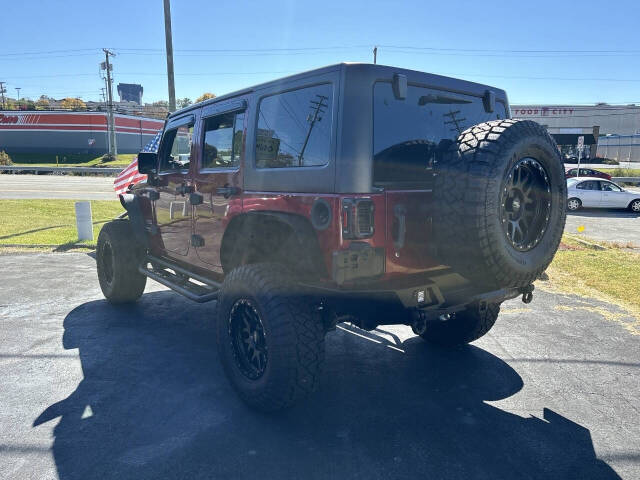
(610, 225)
(90, 390)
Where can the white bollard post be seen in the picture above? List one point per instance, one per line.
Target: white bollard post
(84, 221)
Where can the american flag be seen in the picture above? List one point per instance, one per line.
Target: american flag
(130, 175)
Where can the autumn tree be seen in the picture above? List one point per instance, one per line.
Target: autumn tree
(42, 103)
(184, 102)
(205, 96)
(73, 104)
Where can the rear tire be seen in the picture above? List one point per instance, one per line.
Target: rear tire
(574, 204)
(270, 339)
(500, 203)
(463, 327)
(117, 258)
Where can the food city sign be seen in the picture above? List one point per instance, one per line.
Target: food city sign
(543, 111)
(8, 118)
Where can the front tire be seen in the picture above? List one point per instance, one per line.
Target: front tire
(270, 339)
(118, 257)
(462, 327)
(634, 206)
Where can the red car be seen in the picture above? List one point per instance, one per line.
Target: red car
(360, 193)
(587, 172)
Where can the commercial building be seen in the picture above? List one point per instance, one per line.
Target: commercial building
(130, 92)
(609, 131)
(72, 132)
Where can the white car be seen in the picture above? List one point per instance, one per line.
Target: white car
(600, 193)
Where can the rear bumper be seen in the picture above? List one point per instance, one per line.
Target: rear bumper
(427, 296)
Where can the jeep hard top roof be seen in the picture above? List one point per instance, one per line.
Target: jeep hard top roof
(371, 72)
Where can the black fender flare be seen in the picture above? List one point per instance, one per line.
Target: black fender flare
(305, 235)
(131, 203)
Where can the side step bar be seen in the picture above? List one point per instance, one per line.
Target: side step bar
(180, 279)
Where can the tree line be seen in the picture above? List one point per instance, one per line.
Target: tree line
(77, 104)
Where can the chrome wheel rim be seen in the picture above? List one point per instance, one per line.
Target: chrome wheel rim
(573, 205)
(248, 339)
(635, 206)
(525, 204)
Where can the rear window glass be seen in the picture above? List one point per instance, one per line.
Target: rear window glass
(294, 128)
(410, 134)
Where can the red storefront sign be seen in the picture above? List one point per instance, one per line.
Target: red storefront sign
(543, 111)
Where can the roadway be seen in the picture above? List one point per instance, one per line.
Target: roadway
(93, 390)
(610, 225)
(600, 224)
(20, 187)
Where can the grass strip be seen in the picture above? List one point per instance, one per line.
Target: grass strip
(614, 271)
(50, 222)
(68, 160)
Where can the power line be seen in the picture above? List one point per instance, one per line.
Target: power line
(285, 50)
(522, 77)
(478, 50)
(49, 51)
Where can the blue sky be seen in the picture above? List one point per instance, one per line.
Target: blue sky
(540, 52)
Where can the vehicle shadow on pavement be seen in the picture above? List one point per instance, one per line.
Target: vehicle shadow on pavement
(154, 403)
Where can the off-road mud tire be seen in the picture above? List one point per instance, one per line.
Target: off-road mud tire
(467, 200)
(463, 327)
(118, 256)
(293, 332)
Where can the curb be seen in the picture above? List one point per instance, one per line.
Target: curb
(594, 246)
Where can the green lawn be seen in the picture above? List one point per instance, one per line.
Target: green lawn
(69, 160)
(614, 271)
(49, 222)
(616, 171)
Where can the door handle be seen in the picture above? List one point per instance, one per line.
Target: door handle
(399, 212)
(227, 191)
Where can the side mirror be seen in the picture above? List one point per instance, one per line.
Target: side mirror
(147, 162)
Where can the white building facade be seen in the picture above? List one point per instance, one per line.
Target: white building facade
(610, 131)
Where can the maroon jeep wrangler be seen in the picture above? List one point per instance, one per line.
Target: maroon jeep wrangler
(360, 193)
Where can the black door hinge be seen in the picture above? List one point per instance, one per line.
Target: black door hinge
(196, 198)
(197, 240)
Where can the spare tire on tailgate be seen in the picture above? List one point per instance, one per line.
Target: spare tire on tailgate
(500, 203)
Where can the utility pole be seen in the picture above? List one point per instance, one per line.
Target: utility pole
(316, 106)
(2, 90)
(113, 147)
(169, 44)
(375, 54)
(455, 121)
(18, 89)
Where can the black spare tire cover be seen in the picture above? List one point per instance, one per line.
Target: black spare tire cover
(500, 203)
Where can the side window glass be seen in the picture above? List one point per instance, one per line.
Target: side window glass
(176, 149)
(610, 187)
(590, 185)
(294, 128)
(223, 140)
